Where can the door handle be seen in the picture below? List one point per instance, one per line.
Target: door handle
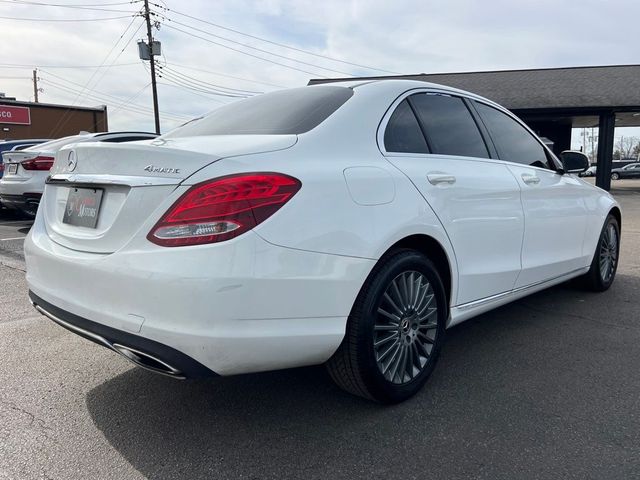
(530, 179)
(438, 178)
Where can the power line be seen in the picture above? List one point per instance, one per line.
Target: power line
(245, 53)
(96, 93)
(194, 86)
(101, 19)
(119, 101)
(208, 84)
(112, 4)
(105, 69)
(224, 75)
(104, 98)
(319, 55)
(60, 5)
(226, 39)
(31, 66)
(65, 118)
(130, 99)
(173, 85)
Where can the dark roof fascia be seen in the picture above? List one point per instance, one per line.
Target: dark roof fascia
(19, 103)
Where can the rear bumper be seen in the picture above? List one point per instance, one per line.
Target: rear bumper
(141, 351)
(236, 307)
(25, 202)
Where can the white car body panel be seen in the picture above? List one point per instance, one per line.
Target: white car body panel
(279, 295)
(482, 214)
(555, 212)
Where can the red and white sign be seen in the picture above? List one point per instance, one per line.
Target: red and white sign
(15, 115)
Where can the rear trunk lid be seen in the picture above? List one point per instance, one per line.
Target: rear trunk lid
(126, 183)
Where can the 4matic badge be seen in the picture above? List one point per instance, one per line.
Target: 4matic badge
(154, 169)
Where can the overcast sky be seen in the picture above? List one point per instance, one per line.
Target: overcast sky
(396, 36)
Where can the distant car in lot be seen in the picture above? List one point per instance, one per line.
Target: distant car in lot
(589, 172)
(13, 145)
(628, 171)
(349, 223)
(26, 171)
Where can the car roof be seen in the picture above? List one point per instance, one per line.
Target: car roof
(402, 85)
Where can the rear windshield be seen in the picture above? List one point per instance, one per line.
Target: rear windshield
(284, 112)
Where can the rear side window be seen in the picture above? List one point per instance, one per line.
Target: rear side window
(513, 142)
(403, 132)
(126, 139)
(285, 112)
(449, 126)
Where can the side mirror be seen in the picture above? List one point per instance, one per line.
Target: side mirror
(574, 162)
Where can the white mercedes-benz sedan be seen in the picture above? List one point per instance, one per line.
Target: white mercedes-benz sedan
(349, 224)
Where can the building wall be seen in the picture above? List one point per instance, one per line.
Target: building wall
(54, 121)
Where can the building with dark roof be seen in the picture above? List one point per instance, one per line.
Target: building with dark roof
(21, 120)
(552, 101)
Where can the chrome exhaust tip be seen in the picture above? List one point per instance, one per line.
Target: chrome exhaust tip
(141, 359)
(147, 361)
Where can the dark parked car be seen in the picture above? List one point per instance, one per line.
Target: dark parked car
(628, 171)
(10, 145)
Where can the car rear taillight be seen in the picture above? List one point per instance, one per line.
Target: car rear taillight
(223, 208)
(38, 163)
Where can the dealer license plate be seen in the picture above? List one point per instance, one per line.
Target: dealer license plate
(83, 207)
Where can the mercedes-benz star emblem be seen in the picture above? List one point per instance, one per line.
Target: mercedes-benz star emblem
(71, 161)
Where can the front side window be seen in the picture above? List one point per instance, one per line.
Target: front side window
(448, 125)
(284, 112)
(513, 142)
(403, 132)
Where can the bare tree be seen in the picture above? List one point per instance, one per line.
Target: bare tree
(626, 146)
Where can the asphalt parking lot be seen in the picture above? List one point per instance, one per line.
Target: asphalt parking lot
(547, 387)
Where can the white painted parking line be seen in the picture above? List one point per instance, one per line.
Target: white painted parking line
(13, 238)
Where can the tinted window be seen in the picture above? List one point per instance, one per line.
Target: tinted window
(403, 133)
(126, 139)
(291, 111)
(513, 142)
(22, 147)
(449, 126)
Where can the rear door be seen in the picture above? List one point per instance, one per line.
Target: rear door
(554, 204)
(435, 140)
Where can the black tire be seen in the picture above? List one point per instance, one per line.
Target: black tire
(355, 365)
(615, 176)
(594, 279)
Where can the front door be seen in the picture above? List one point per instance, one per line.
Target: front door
(554, 204)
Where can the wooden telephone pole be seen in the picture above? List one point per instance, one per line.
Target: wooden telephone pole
(147, 16)
(35, 85)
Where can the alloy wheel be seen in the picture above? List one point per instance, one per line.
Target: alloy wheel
(406, 327)
(608, 253)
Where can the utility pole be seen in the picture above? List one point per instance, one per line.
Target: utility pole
(35, 85)
(147, 16)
